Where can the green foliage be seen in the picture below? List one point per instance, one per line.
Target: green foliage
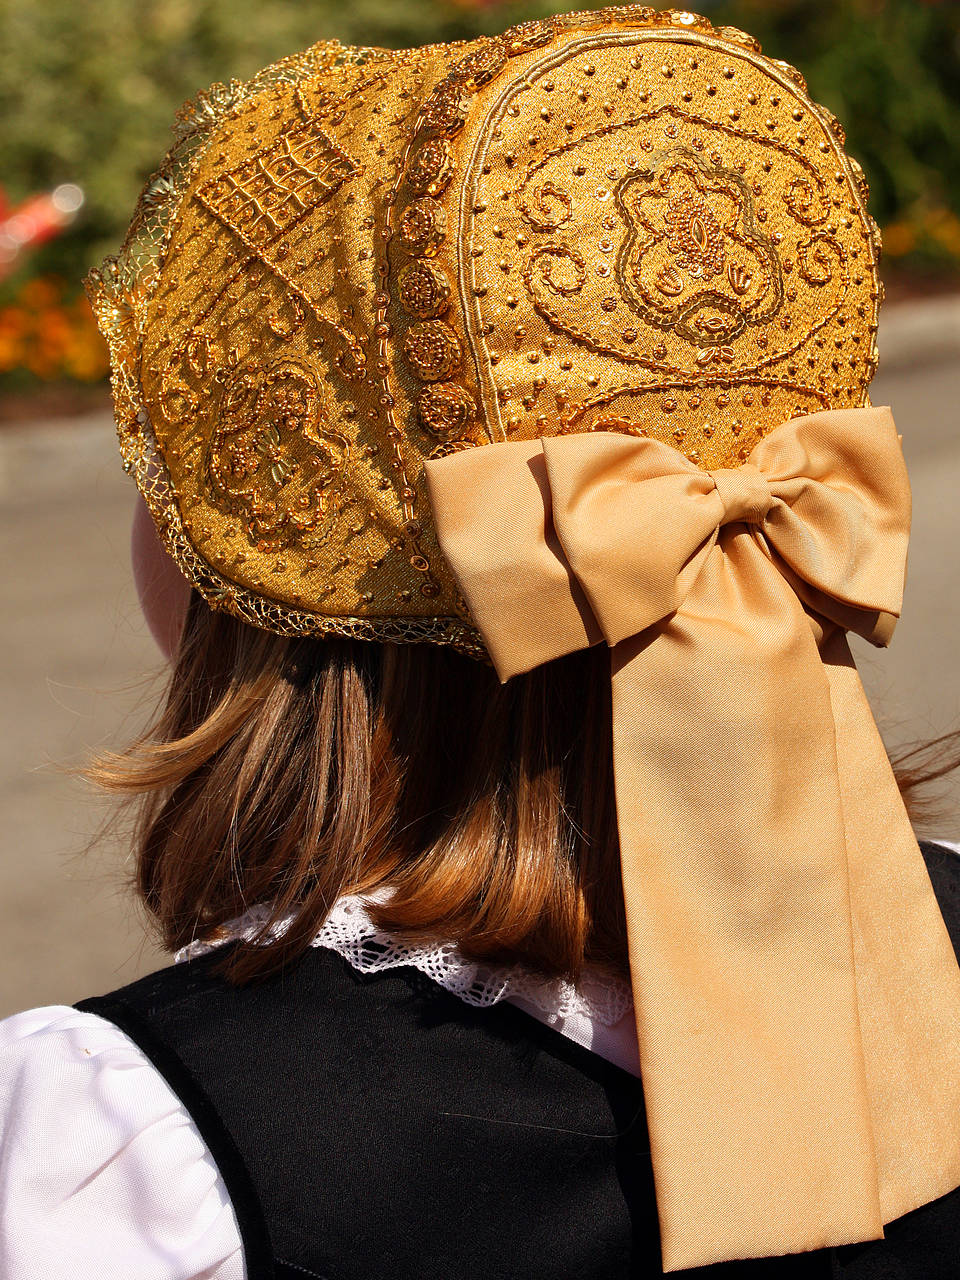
(88, 89)
(890, 71)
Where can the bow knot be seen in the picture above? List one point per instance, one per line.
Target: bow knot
(744, 492)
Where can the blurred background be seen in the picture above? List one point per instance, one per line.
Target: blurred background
(87, 96)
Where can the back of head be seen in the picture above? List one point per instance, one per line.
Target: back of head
(292, 772)
(364, 260)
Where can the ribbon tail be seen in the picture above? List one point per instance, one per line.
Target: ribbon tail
(734, 864)
(908, 978)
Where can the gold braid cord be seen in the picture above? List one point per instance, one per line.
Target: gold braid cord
(361, 259)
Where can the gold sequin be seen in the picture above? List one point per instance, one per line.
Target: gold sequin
(422, 226)
(423, 290)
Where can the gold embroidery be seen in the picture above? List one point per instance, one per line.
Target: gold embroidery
(423, 290)
(422, 226)
(431, 168)
(432, 350)
(362, 258)
(270, 462)
(266, 194)
(447, 411)
(687, 224)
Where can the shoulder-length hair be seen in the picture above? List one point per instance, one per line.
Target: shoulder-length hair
(289, 772)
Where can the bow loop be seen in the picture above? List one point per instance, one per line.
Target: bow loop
(601, 535)
(842, 522)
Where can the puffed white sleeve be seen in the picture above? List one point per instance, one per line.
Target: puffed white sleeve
(103, 1174)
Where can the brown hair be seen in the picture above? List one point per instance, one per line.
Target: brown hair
(290, 772)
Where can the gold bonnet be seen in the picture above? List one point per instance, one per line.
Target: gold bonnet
(362, 259)
(628, 254)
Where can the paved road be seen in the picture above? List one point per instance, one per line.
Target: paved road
(79, 671)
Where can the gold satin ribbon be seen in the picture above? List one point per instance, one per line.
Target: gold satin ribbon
(796, 993)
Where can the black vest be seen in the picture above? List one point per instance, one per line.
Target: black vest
(375, 1127)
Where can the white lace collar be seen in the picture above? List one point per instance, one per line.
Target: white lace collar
(349, 931)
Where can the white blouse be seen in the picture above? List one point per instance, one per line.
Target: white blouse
(103, 1174)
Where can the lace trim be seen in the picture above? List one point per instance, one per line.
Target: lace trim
(350, 932)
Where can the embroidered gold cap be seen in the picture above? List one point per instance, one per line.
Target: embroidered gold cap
(362, 259)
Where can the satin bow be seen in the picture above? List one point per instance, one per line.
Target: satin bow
(796, 994)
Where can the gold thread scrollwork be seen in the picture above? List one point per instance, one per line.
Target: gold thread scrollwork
(287, 331)
(198, 354)
(694, 235)
(543, 217)
(555, 258)
(177, 401)
(601, 413)
(194, 357)
(806, 205)
(352, 359)
(270, 461)
(814, 263)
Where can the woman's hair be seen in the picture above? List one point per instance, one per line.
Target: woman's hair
(292, 771)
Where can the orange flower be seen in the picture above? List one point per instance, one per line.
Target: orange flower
(899, 238)
(50, 335)
(45, 291)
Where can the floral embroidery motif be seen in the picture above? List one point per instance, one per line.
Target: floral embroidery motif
(432, 350)
(446, 411)
(693, 260)
(695, 236)
(270, 462)
(543, 217)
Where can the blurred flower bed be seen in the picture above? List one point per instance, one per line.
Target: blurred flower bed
(47, 332)
(88, 93)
